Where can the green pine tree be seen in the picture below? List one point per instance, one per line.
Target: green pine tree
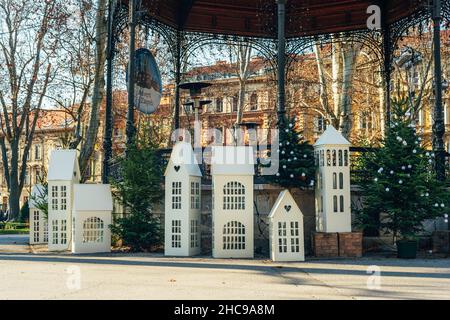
(138, 186)
(400, 189)
(296, 157)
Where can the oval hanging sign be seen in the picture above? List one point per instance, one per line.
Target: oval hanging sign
(147, 82)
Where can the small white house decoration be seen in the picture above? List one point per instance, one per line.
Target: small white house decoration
(182, 202)
(333, 207)
(38, 221)
(232, 170)
(91, 218)
(63, 173)
(286, 230)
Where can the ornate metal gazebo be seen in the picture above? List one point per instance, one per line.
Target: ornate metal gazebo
(279, 29)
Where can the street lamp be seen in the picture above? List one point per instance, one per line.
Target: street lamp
(195, 92)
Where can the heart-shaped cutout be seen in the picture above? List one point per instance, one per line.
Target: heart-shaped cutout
(288, 208)
(177, 168)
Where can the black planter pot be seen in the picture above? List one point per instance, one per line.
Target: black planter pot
(407, 249)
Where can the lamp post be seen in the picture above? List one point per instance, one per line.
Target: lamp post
(281, 58)
(130, 130)
(195, 92)
(438, 126)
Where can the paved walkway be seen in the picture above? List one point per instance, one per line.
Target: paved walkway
(145, 276)
(14, 243)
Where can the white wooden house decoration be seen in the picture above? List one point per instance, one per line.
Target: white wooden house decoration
(286, 230)
(38, 221)
(91, 218)
(182, 202)
(333, 207)
(232, 170)
(63, 173)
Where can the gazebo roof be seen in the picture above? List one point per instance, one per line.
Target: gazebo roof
(257, 18)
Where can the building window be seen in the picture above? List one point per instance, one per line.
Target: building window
(63, 231)
(328, 158)
(234, 196)
(334, 158)
(176, 195)
(340, 158)
(341, 180)
(27, 177)
(319, 124)
(195, 195)
(45, 232)
(334, 180)
(37, 152)
(282, 237)
(63, 197)
(36, 225)
(219, 105)
(176, 233)
(55, 231)
(341, 200)
(254, 102)
(295, 239)
(234, 236)
(234, 103)
(54, 197)
(194, 234)
(93, 230)
(335, 204)
(346, 158)
(38, 176)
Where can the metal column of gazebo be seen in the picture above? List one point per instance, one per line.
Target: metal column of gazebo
(278, 29)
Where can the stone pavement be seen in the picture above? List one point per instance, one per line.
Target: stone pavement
(151, 276)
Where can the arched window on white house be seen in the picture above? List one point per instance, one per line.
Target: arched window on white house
(234, 196)
(234, 236)
(93, 230)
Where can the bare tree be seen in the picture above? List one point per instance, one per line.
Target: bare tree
(29, 35)
(99, 85)
(240, 58)
(343, 64)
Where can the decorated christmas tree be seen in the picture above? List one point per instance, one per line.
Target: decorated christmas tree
(400, 187)
(296, 157)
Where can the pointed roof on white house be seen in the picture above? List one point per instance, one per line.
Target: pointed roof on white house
(331, 137)
(37, 192)
(183, 155)
(232, 160)
(63, 166)
(92, 197)
(284, 198)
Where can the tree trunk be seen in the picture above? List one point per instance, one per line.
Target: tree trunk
(349, 56)
(382, 106)
(336, 75)
(99, 88)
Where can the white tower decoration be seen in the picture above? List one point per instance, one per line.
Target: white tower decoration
(63, 173)
(333, 207)
(182, 202)
(286, 230)
(91, 218)
(232, 170)
(38, 221)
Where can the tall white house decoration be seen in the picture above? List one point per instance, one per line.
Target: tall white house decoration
(232, 170)
(286, 230)
(63, 173)
(38, 221)
(333, 207)
(182, 202)
(91, 218)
